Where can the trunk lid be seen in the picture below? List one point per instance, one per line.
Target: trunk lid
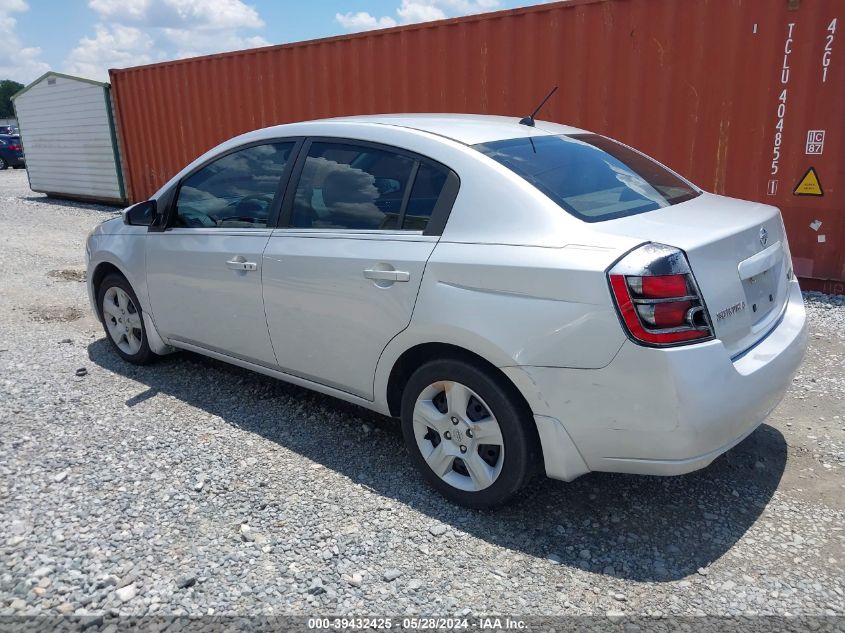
(738, 254)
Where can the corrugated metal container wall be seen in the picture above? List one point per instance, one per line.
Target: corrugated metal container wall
(726, 92)
(68, 138)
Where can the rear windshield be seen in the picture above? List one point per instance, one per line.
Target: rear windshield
(591, 176)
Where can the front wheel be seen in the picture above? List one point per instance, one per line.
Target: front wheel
(123, 320)
(468, 433)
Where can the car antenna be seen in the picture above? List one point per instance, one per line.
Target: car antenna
(529, 120)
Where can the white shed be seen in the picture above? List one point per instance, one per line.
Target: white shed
(68, 136)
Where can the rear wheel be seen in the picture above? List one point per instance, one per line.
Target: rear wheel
(3, 164)
(123, 320)
(468, 433)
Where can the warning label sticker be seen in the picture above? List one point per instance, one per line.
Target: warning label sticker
(809, 185)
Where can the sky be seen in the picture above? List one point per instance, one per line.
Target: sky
(87, 37)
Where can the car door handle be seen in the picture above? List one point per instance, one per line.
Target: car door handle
(387, 275)
(239, 263)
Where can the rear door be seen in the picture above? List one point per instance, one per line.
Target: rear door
(204, 270)
(341, 278)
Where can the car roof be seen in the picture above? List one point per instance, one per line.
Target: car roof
(469, 129)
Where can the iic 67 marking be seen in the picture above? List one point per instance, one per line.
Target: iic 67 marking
(815, 142)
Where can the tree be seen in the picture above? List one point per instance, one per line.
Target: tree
(7, 89)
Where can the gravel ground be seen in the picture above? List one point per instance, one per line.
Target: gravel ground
(193, 487)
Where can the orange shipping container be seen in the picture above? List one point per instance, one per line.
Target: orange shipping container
(744, 97)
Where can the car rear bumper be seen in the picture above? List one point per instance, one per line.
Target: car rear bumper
(15, 161)
(666, 411)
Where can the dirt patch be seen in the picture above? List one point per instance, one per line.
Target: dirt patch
(55, 314)
(67, 274)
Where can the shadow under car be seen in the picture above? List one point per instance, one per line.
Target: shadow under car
(630, 526)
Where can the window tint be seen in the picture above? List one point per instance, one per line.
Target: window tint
(346, 186)
(424, 194)
(236, 191)
(590, 176)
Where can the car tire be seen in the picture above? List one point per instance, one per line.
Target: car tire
(3, 164)
(123, 322)
(473, 427)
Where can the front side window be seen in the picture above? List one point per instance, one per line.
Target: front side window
(235, 191)
(591, 176)
(349, 186)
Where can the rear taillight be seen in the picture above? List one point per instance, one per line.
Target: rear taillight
(15, 148)
(657, 297)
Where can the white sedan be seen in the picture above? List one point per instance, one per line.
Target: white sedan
(524, 297)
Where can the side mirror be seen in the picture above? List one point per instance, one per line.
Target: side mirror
(141, 214)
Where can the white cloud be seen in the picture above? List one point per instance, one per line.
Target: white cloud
(363, 21)
(189, 43)
(411, 11)
(214, 14)
(134, 32)
(126, 10)
(18, 62)
(115, 46)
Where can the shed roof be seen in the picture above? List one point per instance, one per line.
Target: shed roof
(51, 73)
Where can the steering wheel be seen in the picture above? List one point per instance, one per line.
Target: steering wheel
(248, 203)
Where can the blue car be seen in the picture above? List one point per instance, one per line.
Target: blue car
(11, 152)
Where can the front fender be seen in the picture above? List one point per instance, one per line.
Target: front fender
(133, 270)
(125, 252)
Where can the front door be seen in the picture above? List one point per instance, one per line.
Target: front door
(204, 270)
(341, 279)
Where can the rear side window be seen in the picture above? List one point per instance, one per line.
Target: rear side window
(345, 186)
(428, 185)
(591, 176)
